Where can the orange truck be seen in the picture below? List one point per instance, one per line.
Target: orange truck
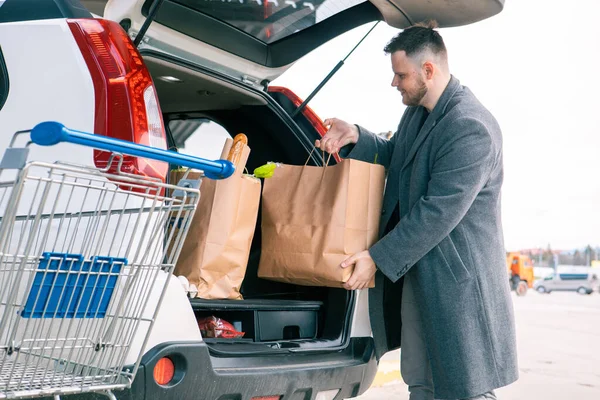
(520, 272)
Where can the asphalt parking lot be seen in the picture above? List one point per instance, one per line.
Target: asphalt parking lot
(559, 351)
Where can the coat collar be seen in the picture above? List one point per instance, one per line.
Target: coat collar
(436, 114)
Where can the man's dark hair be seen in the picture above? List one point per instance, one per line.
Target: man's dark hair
(417, 38)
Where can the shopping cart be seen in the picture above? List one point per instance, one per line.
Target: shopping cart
(85, 259)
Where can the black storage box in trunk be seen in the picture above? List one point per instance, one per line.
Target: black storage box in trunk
(285, 325)
(265, 320)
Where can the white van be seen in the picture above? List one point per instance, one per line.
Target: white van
(209, 62)
(583, 280)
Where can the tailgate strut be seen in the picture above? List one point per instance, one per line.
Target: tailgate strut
(151, 15)
(330, 75)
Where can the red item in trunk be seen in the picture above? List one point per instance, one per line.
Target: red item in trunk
(213, 327)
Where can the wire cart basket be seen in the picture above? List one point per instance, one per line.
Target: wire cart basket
(85, 259)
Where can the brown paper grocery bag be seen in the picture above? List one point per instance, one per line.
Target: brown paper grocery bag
(216, 250)
(313, 218)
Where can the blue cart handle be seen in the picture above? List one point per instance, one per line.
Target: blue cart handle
(51, 133)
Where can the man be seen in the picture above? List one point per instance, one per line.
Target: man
(441, 250)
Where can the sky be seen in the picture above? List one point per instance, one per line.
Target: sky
(536, 67)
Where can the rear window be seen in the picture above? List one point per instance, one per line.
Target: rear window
(573, 277)
(30, 10)
(270, 20)
(199, 137)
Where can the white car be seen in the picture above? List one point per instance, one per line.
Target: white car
(202, 73)
(569, 278)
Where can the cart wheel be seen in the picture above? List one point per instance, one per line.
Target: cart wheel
(521, 288)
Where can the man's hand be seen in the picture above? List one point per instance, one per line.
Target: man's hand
(364, 270)
(340, 134)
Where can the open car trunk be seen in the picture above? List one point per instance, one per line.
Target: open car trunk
(273, 315)
(211, 61)
(255, 41)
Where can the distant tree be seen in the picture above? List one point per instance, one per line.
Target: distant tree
(589, 255)
(548, 257)
(566, 258)
(578, 258)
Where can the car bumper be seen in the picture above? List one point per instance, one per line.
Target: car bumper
(297, 375)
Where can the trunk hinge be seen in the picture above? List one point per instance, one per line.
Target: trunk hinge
(252, 81)
(265, 85)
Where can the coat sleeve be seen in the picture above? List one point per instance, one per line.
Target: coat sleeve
(370, 148)
(461, 168)
(375, 149)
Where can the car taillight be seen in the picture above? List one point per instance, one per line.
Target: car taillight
(308, 112)
(126, 102)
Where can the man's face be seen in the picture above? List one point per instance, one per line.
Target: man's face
(408, 79)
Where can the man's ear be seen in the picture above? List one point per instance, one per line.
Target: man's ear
(428, 69)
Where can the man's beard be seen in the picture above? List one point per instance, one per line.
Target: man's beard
(421, 91)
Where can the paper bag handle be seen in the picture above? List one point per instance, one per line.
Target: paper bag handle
(311, 153)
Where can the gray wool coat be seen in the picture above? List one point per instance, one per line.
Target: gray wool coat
(449, 239)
